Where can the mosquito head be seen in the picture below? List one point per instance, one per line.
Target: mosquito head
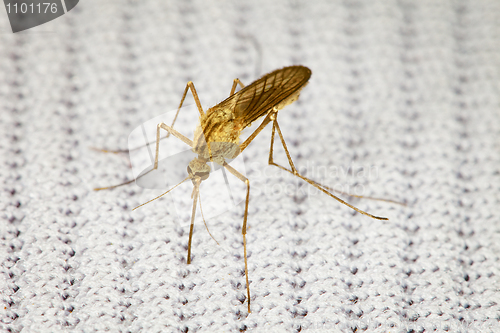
(198, 169)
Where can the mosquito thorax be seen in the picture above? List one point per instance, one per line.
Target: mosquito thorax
(198, 167)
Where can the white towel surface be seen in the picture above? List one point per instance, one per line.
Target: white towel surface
(403, 104)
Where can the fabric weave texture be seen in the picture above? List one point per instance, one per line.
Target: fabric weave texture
(403, 103)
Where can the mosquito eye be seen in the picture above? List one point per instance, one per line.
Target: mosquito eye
(203, 175)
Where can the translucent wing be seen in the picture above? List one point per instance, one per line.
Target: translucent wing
(256, 99)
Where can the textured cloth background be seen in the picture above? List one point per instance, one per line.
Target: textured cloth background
(404, 94)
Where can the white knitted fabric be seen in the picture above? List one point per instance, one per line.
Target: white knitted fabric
(403, 104)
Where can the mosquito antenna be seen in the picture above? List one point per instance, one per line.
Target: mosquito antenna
(188, 177)
(206, 226)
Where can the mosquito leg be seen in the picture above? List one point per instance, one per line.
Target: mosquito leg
(170, 131)
(257, 131)
(189, 86)
(191, 227)
(317, 184)
(236, 82)
(113, 186)
(244, 227)
(359, 196)
(294, 171)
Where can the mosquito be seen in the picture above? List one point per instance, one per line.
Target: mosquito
(216, 138)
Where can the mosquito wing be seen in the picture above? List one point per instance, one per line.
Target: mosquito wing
(256, 99)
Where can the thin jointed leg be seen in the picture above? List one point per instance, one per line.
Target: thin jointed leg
(195, 194)
(174, 133)
(169, 129)
(244, 226)
(235, 82)
(189, 85)
(359, 196)
(294, 171)
(257, 131)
